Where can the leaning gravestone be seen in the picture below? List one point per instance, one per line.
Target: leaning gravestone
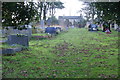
(18, 39)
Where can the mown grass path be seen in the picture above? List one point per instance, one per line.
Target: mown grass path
(73, 54)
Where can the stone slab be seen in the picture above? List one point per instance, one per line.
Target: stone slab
(20, 40)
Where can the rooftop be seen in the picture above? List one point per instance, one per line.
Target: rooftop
(70, 17)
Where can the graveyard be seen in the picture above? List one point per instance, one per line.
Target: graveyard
(76, 53)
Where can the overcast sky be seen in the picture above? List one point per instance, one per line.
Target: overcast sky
(71, 8)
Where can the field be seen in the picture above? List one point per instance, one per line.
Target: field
(77, 53)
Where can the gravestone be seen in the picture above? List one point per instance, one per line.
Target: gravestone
(15, 31)
(115, 26)
(61, 23)
(5, 33)
(118, 29)
(42, 24)
(58, 30)
(49, 21)
(18, 39)
(67, 24)
(10, 50)
(92, 27)
(7, 51)
(29, 30)
(87, 24)
(50, 30)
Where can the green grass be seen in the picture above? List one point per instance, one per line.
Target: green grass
(42, 34)
(1, 38)
(6, 46)
(73, 54)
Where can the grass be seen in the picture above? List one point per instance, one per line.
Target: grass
(3, 38)
(42, 34)
(73, 54)
(6, 46)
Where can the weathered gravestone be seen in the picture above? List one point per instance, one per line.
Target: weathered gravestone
(7, 51)
(49, 21)
(50, 30)
(58, 30)
(42, 24)
(115, 26)
(93, 27)
(5, 32)
(10, 50)
(27, 31)
(18, 39)
(118, 29)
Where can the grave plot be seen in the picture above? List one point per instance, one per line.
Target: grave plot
(40, 36)
(48, 33)
(10, 49)
(18, 39)
(27, 31)
(14, 44)
(13, 31)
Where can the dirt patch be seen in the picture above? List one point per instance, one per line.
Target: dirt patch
(100, 57)
(107, 76)
(66, 49)
(61, 49)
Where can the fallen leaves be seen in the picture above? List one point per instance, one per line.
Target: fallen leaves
(101, 57)
(107, 76)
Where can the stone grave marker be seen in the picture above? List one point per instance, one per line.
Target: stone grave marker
(10, 50)
(18, 39)
(49, 21)
(115, 26)
(29, 29)
(58, 30)
(7, 51)
(42, 24)
(5, 32)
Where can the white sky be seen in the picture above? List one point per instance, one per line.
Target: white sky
(71, 8)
